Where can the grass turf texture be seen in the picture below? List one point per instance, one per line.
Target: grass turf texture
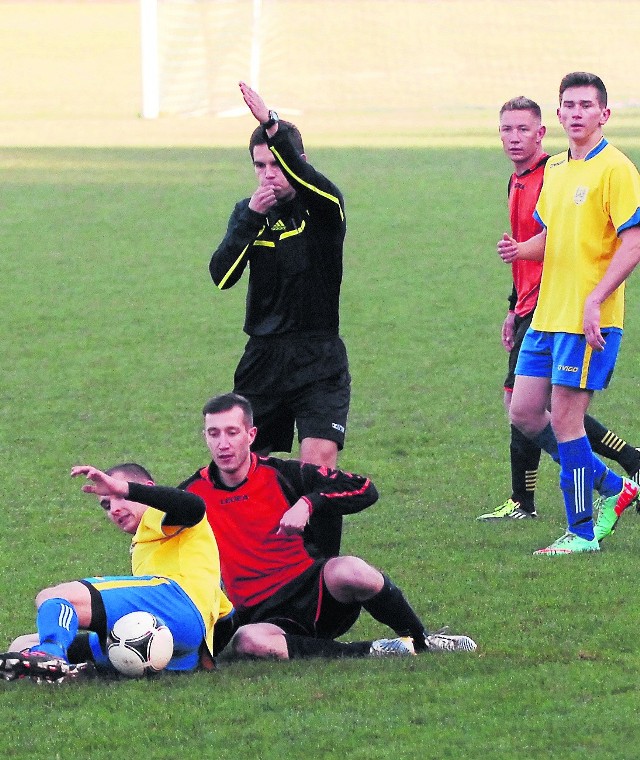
(113, 337)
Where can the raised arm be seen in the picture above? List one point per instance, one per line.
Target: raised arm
(258, 108)
(180, 507)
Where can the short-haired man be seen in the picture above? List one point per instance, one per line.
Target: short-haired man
(521, 131)
(176, 576)
(290, 233)
(589, 208)
(288, 604)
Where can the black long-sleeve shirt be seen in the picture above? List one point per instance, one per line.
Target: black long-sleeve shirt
(180, 508)
(294, 252)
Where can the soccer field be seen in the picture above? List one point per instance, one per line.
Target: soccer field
(112, 338)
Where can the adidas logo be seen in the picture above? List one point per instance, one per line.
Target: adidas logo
(279, 226)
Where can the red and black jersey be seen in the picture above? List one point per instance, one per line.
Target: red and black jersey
(255, 560)
(524, 190)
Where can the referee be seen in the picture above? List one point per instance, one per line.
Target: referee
(290, 233)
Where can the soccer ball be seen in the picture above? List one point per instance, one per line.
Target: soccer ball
(139, 644)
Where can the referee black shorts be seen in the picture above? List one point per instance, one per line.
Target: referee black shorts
(299, 381)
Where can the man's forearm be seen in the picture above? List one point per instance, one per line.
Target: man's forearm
(181, 507)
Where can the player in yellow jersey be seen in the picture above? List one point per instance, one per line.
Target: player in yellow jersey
(521, 131)
(176, 576)
(589, 209)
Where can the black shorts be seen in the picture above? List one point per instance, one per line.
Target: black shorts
(298, 382)
(304, 607)
(520, 327)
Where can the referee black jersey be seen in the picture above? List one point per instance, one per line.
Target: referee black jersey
(294, 253)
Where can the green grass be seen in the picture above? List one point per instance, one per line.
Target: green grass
(112, 338)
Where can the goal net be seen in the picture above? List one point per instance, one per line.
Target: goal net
(379, 59)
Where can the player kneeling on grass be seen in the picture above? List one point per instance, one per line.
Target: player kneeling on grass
(289, 604)
(176, 577)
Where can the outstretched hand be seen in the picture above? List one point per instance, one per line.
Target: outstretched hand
(102, 484)
(254, 103)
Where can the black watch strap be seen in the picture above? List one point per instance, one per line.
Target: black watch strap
(273, 120)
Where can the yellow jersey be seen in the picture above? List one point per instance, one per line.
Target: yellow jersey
(189, 556)
(584, 206)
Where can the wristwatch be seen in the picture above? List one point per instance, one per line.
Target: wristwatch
(273, 120)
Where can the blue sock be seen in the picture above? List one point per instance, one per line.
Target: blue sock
(547, 441)
(57, 623)
(605, 481)
(576, 482)
(99, 657)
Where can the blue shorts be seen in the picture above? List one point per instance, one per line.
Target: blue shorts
(567, 359)
(163, 597)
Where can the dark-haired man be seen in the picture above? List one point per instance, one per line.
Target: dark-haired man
(288, 604)
(176, 576)
(589, 209)
(290, 234)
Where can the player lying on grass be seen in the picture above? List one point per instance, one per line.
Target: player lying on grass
(288, 604)
(176, 576)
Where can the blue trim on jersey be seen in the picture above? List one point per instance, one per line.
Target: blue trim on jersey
(163, 598)
(536, 216)
(633, 222)
(597, 149)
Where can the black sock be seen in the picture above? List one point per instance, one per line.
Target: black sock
(390, 607)
(607, 444)
(301, 647)
(525, 460)
(80, 649)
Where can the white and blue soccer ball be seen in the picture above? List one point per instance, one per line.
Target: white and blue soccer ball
(139, 644)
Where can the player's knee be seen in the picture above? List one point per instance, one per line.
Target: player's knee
(523, 419)
(258, 641)
(248, 641)
(53, 592)
(351, 578)
(74, 593)
(320, 452)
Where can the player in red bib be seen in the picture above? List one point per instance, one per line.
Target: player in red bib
(290, 604)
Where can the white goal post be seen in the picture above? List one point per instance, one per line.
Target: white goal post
(149, 59)
(155, 41)
(373, 62)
